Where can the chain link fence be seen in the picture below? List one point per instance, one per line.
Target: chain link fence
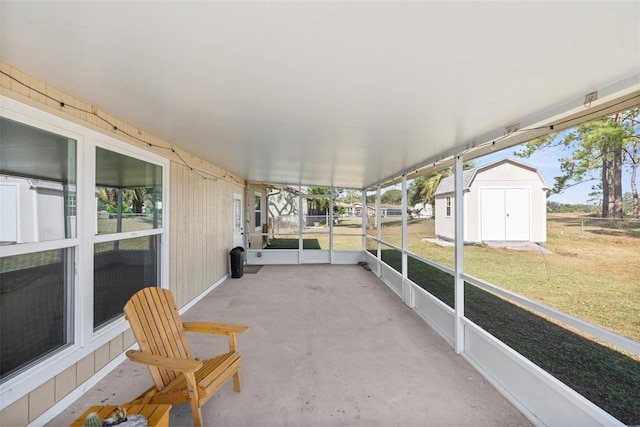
(626, 227)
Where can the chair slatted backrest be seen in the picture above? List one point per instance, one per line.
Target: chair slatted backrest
(156, 325)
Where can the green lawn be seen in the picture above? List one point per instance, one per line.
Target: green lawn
(293, 243)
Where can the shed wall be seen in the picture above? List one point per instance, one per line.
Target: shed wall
(446, 225)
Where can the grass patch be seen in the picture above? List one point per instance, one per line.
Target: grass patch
(284, 243)
(136, 222)
(606, 377)
(433, 280)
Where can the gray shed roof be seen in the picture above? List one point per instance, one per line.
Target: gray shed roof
(447, 185)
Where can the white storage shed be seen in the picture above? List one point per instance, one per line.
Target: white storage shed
(503, 201)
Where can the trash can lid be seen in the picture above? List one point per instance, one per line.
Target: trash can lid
(237, 249)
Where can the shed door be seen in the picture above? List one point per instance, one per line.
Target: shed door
(517, 221)
(505, 214)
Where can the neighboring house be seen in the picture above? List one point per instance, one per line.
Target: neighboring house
(503, 201)
(349, 209)
(422, 210)
(355, 209)
(386, 210)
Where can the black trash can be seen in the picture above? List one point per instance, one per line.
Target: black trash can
(237, 262)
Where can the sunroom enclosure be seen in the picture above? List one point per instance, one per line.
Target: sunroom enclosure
(448, 299)
(228, 101)
(544, 399)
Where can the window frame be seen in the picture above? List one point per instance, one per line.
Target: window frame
(447, 205)
(83, 339)
(17, 112)
(111, 144)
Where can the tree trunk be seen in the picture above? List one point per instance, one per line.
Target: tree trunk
(617, 182)
(633, 155)
(634, 193)
(112, 195)
(137, 206)
(605, 187)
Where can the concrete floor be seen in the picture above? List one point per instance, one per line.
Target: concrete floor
(327, 345)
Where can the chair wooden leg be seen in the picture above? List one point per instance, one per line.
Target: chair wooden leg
(192, 389)
(236, 382)
(197, 414)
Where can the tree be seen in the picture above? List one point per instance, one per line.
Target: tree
(598, 150)
(351, 196)
(319, 206)
(628, 203)
(555, 207)
(371, 198)
(426, 186)
(106, 196)
(631, 154)
(138, 197)
(133, 199)
(423, 188)
(391, 197)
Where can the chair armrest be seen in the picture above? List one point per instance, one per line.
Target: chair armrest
(182, 365)
(214, 328)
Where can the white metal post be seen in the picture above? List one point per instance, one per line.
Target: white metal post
(365, 218)
(331, 228)
(378, 228)
(459, 253)
(406, 289)
(247, 210)
(301, 223)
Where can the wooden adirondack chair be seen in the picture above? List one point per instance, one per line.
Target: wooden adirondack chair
(178, 376)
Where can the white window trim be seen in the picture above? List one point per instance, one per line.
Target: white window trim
(85, 340)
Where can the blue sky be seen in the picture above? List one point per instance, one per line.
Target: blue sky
(547, 163)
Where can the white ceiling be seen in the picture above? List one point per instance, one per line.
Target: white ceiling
(326, 93)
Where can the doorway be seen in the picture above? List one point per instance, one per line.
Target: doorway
(238, 221)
